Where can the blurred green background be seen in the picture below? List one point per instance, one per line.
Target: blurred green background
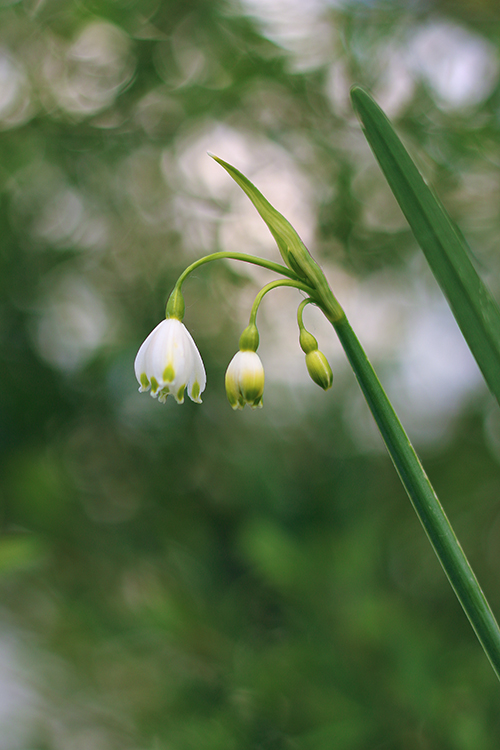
(177, 578)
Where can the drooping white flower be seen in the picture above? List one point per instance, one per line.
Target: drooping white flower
(169, 361)
(245, 380)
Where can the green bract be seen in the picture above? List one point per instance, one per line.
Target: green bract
(292, 249)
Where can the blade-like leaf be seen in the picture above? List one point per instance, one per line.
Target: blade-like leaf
(475, 310)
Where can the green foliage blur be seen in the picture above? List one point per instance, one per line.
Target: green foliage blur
(185, 577)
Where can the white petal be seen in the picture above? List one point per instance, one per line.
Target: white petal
(158, 351)
(140, 365)
(197, 378)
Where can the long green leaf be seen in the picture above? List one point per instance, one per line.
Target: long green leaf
(475, 310)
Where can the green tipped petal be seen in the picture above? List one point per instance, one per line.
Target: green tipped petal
(195, 391)
(162, 396)
(169, 374)
(179, 396)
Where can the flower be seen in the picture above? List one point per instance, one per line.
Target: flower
(168, 361)
(245, 380)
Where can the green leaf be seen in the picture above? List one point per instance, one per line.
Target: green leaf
(475, 310)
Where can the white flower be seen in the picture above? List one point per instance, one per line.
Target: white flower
(245, 380)
(168, 361)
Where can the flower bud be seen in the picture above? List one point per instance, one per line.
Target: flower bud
(319, 369)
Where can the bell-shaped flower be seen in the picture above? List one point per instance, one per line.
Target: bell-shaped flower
(245, 380)
(168, 362)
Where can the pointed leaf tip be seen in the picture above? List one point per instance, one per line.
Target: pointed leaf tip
(357, 91)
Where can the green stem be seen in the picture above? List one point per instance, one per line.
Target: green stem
(300, 310)
(276, 267)
(274, 285)
(423, 498)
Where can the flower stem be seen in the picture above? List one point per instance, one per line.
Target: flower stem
(423, 498)
(274, 285)
(263, 262)
(300, 310)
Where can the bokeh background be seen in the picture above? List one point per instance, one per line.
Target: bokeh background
(187, 578)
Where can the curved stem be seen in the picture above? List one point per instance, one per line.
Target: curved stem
(274, 285)
(423, 498)
(263, 262)
(300, 310)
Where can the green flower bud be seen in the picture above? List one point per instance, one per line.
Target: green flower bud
(319, 369)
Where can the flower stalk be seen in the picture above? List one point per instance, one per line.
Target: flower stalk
(168, 361)
(245, 257)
